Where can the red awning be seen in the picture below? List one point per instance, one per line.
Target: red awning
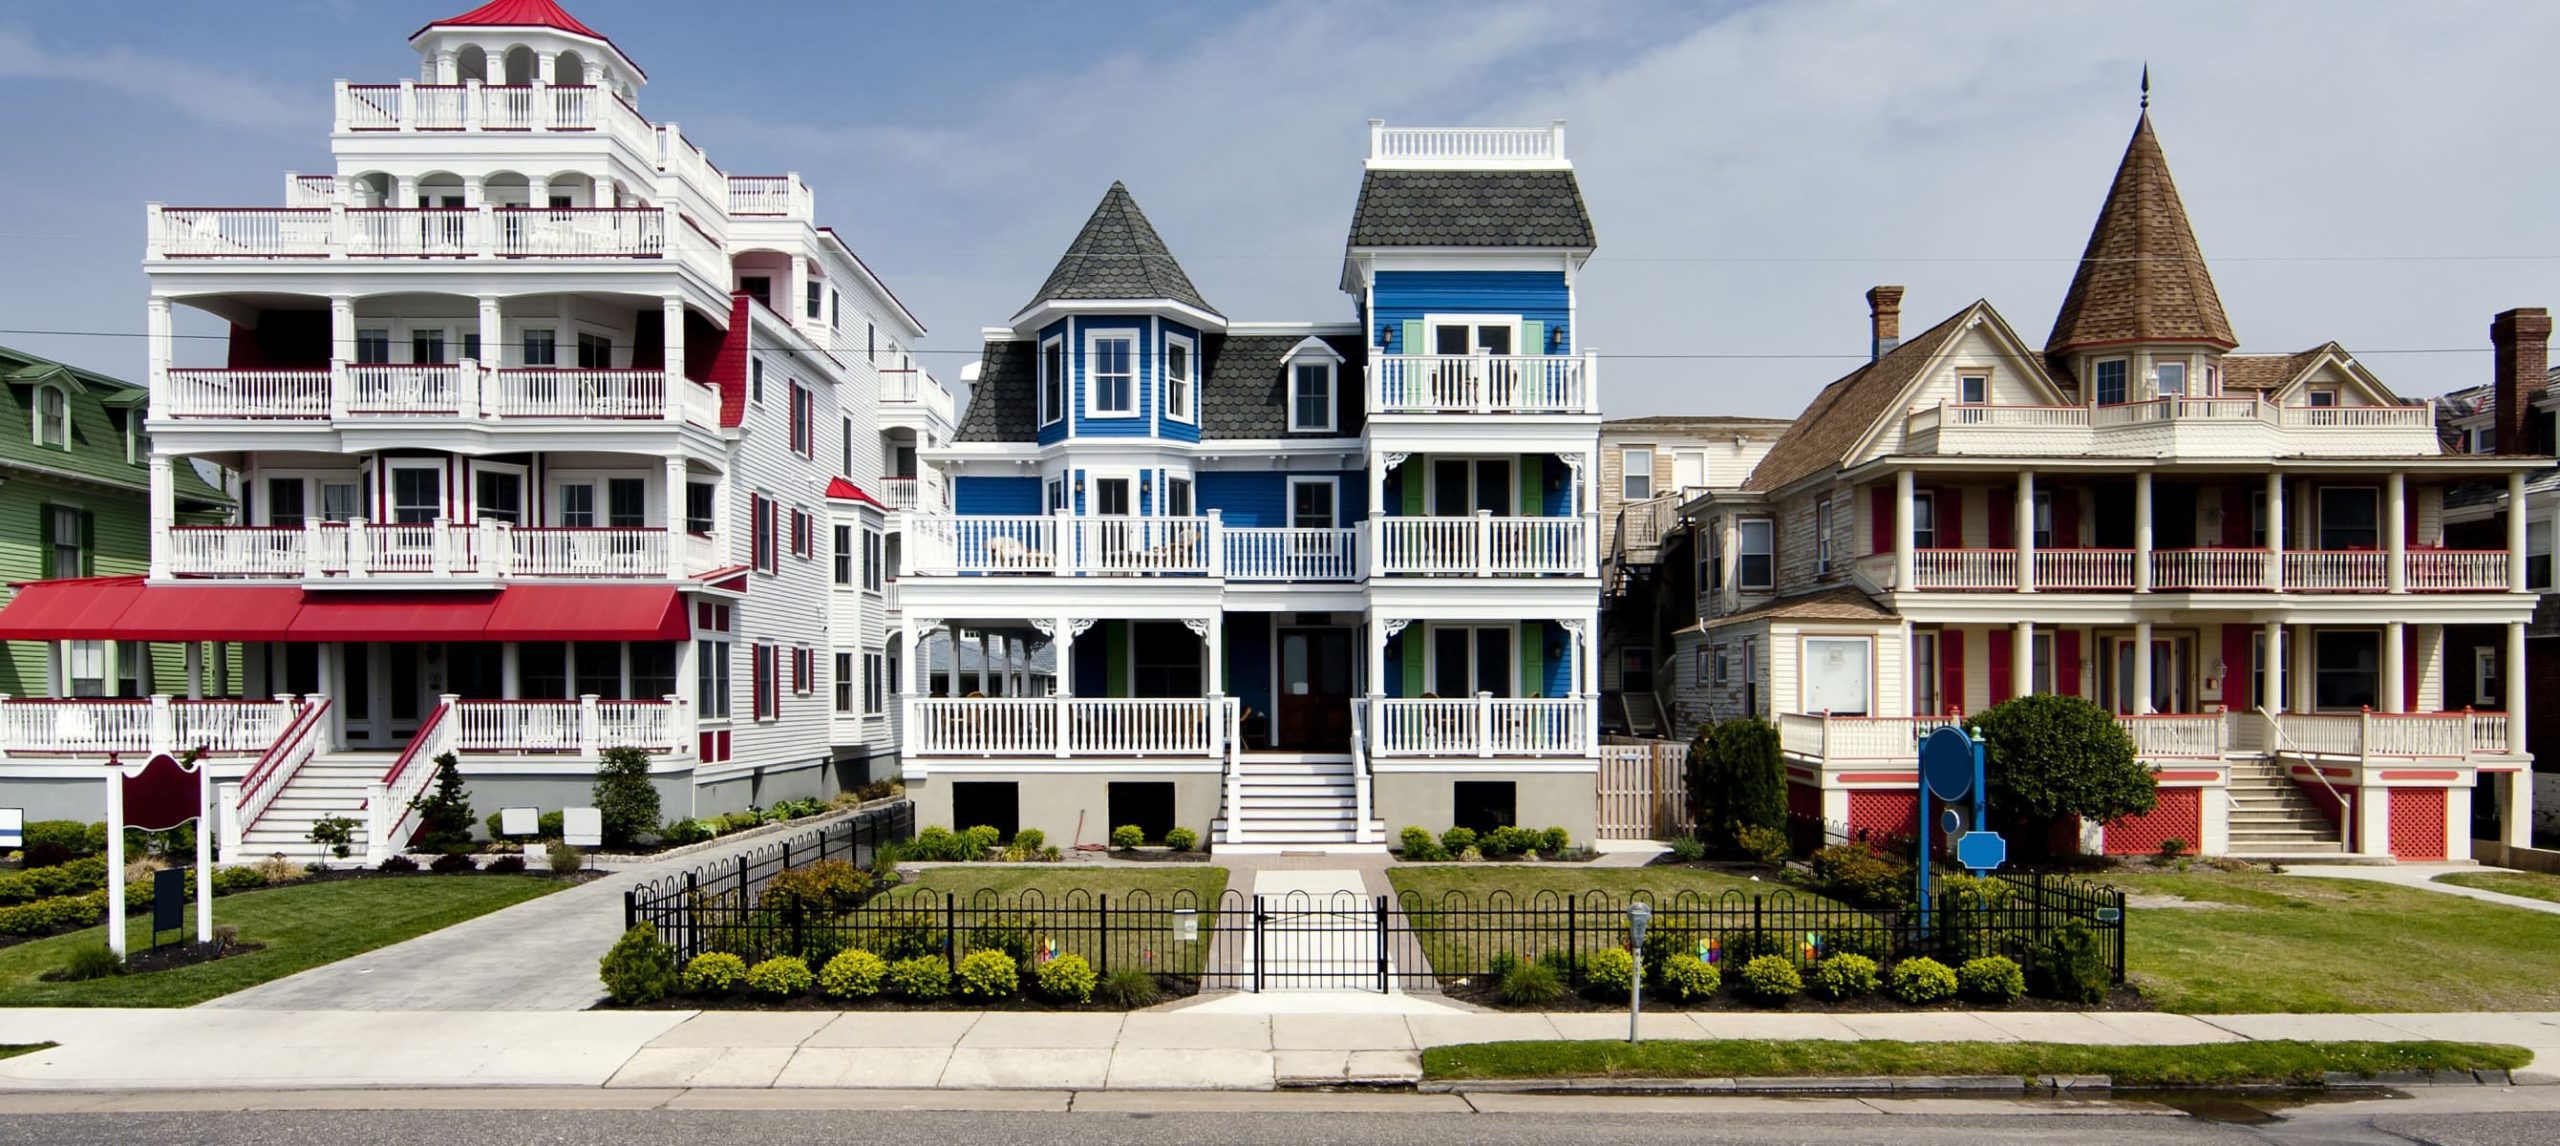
(124, 608)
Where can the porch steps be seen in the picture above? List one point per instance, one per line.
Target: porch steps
(1297, 803)
(331, 784)
(2272, 817)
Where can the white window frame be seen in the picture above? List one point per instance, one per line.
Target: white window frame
(2486, 687)
(1477, 324)
(524, 488)
(1924, 507)
(1980, 380)
(875, 561)
(875, 684)
(556, 506)
(1628, 473)
(1332, 393)
(388, 513)
(2040, 666)
(1742, 550)
(1924, 673)
(1333, 500)
(1431, 653)
(1190, 496)
(1093, 340)
(2321, 398)
(1182, 392)
(1053, 407)
(2043, 519)
(1721, 667)
(1804, 657)
(2537, 553)
(1093, 480)
(1058, 503)
(1822, 535)
(2160, 372)
(50, 425)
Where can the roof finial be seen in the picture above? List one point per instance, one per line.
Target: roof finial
(2146, 85)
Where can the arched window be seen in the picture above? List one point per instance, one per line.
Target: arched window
(53, 417)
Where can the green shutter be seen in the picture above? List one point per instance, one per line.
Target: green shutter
(1410, 644)
(1533, 336)
(1115, 645)
(1411, 481)
(44, 540)
(1533, 658)
(1533, 484)
(1412, 342)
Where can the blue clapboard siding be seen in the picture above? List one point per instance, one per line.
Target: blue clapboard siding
(996, 496)
(1249, 659)
(1401, 296)
(1261, 497)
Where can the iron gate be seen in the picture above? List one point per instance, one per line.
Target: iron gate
(1338, 941)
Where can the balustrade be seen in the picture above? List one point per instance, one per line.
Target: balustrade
(1481, 726)
(995, 726)
(366, 549)
(1485, 546)
(1481, 383)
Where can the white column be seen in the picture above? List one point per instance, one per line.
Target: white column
(2275, 541)
(156, 326)
(164, 509)
(1213, 644)
(1377, 682)
(2141, 666)
(915, 656)
(2395, 685)
(982, 663)
(493, 340)
(1066, 645)
(2142, 542)
(404, 190)
(342, 328)
(537, 191)
(2395, 533)
(673, 310)
(2022, 659)
(2025, 529)
(677, 479)
(1903, 498)
(2515, 541)
(798, 307)
(195, 670)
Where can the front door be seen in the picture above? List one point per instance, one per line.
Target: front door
(2172, 660)
(1315, 690)
(1466, 660)
(385, 690)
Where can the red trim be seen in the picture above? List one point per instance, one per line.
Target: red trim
(2421, 775)
(265, 769)
(1879, 777)
(838, 489)
(123, 608)
(2191, 777)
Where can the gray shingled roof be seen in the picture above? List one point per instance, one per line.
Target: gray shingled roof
(1118, 255)
(1243, 393)
(1471, 209)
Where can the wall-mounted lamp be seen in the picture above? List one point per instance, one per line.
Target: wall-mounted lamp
(1555, 339)
(1386, 336)
(1555, 650)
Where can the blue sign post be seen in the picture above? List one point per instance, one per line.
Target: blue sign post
(1951, 768)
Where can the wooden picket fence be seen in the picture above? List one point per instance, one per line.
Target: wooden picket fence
(1644, 789)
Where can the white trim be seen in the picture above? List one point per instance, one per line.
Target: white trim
(1189, 412)
(36, 416)
(468, 498)
(1431, 487)
(1626, 467)
(1333, 395)
(1431, 653)
(1476, 324)
(1049, 414)
(1333, 498)
(1093, 338)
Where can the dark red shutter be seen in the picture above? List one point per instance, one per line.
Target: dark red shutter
(1950, 669)
(2004, 518)
(1880, 519)
(1996, 644)
(2236, 681)
(1950, 519)
(2066, 661)
(2235, 517)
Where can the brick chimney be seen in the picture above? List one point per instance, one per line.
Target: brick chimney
(1884, 320)
(2522, 340)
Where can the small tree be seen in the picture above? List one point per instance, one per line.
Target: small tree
(444, 811)
(625, 799)
(1737, 780)
(2046, 756)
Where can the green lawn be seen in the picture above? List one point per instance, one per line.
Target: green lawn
(2530, 884)
(1056, 881)
(302, 926)
(2212, 1064)
(2288, 943)
(1533, 921)
(13, 1050)
(1526, 880)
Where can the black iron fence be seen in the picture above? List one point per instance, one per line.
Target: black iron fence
(671, 903)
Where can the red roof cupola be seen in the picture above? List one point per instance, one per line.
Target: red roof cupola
(546, 15)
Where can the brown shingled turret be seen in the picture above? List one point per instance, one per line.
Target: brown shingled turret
(2142, 278)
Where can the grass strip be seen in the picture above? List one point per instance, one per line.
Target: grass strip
(13, 1050)
(2273, 1062)
(2529, 884)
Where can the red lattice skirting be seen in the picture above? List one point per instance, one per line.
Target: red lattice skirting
(2417, 823)
(2179, 816)
(1886, 813)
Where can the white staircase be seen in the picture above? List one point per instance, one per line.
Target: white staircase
(1297, 802)
(329, 784)
(2271, 816)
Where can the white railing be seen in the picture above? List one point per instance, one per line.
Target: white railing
(583, 727)
(1481, 384)
(408, 232)
(1463, 145)
(580, 232)
(271, 232)
(411, 232)
(901, 387)
(477, 106)
(2327, 734)
(1486, 546)
(947, 545)
(236, 551)
(1001, 726)
(2084, 570)
(782, 195)
(2456, 570)
(2143, 420)
(195, 393)
(2035, 417)
(599, 551)
(2420, 417)
(652, 724)
(1280, 554)
(140, 726)
(391, 809)
(396, 390)
(926, 494)
(2369, 735)
(2278, 737)
(557, 392)
(310, 190)
(2489, 733)
(2212, 570)
(1483, 725)
(1964, 568)
(2334, 571)
(1130, 546)
(1823, 736)
(2185, 736)
(303, 735)
(365, 549)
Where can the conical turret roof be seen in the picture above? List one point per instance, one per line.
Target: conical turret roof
(1118, 255)
(2142, 278)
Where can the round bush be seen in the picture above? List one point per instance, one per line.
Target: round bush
(1770, 978)
(988, 974)
(1992, 979)
(714, 973)
(1921, 981)
(1529, 985)
(639, 969)
(982, 839)
(1067, 977)
(1128, 836)
(1688, 849)
(1844, 976)
(1686, 977)
(925, 977)
(1129, 988)
(1182, 839)
(1418, 844)
(780, 977)
(853, 974)
(1554, 841)
(1610, 972)
(1457, 840)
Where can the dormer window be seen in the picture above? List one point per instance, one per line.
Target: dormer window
(2324, 398)
(1053, 380)
(1313, 370)
(1111, 375)
(2110, 382)
(53, 417)
(2172, 378)
(1180, 381)
(1973, 389)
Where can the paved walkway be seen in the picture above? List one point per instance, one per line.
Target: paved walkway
(1197, 1049)
(2423, 876)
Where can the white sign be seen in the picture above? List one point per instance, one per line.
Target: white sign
(519, 821)
(582, 827)
(13, 827)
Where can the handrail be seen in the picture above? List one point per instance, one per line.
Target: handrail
(279, 763)
(399, 791)
(2346, 806)
(1360, 774)
(1232, 712)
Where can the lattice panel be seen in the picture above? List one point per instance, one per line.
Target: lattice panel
(2179, 816)
(2417, 823)
(1886, 813)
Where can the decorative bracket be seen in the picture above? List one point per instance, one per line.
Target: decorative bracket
(1394, 458)
(1390, 626)
(1047, 627)
(1077, 625)
(1199, 626)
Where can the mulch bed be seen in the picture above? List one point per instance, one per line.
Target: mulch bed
(1168, 987)
(170, 957)
(1480, 991)
(1584, 856)
(1151, 855)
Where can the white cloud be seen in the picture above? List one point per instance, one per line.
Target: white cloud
(206, 94)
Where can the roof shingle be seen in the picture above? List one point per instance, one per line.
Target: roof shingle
(2142, 277)
(1842, 413)
(1118, 255)
(1471, 209)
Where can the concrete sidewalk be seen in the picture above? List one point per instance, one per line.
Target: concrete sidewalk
(2423, 877)
(1000, 1050)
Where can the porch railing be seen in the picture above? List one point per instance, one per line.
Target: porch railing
(2456, 570)
(1964, 568)
(2458, 736)
(359, 548)
(1261, 553)
(1487, 546)
(1065, 726)
(2334, 571)
(2176, 735)
(1824, 736)
(2210, 570)
(1481, 383)
(461, 233)
(140, 726)
(584, 727)
(1484, 725)
(2084, 570)
(466, 389)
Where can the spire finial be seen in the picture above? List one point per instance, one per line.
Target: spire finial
(2146, 85)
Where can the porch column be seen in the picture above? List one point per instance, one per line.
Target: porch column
(1903, 498)
(2395, 534)
(2141, 665)
(2512, 680)
(342, 328)
(673, 311)
(1377, 682)
(157, 345)
(677, 480)
(2025, 531)
(2515, 545)
(915, 657)
(798, 308)
(493, 344)
(164, 510)
(195, 670)
(2517, 816)
(2275, 550)
(2142, 549)
(511, 671)
(2022, 659)
(2395, 684)
(982, 663)
(1213, 644)
(1066, 646)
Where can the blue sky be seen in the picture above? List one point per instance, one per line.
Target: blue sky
(2367, 172)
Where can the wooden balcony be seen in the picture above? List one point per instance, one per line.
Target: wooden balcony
(1483, 384)
(2173, 426)
(1482, 726)
(1065, 726)
(2211, 570)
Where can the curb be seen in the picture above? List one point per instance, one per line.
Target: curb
(1849, 1084)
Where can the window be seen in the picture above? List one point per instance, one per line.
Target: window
(626, 502)
(755, 381)
(1718, 664)
(2483, 440)
(803, 533)
(2350, 517)
(84, 667)
(1468, 659)
(2044, 519)
(767, 689)
(53, 417)
(599, 668)
(69, 552)
(843, 554)
(711, 662)
(835, 311)
(1924, 674)
(1053, 381)
(1758, 567)
(2257, 519)
(760, 550)
(2537, 554)
(2110, 382)
(876, 670)
(2324, 398)
(758, 287)
(1822, 536)
(844, 463)
(498, 495)
(1110, 497)
(1111, 375)
(1924, 521)
(875, 564)
(2484, 676)
(1311, 396)
(578, 506)
(1057, 495)
(698, 505)
(1178, 378)
(284, 503)
(417, 494)
(426, 347)
(653, 669)
(871, 342)
(1312, 503)
(1713, 554)
(2040, 664)
(817, 306)
(1177, 497)
(801, 430)
(1750, 676)
(1636, 480)
(1836, 675)
(541, 348)
(1973, 389)
(373, 347)
(844, 682)
(2346, 669)
(2172, 377)
(595, 352)
(804, 672)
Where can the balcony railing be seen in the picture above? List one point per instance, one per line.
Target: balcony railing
(1066, 726)
(910, 388)
(2232, 427)
(1482, 384)
(512, 233)
(463, 390)
(2456, 570)
(2449, 736)
(583, 727)
(915, 493)
(1964, 568)
(361, 549)
(1281, 554)
(2335, 571)
(139, 727)
(2084, 570)
(1465, 145)
(2208, 570)
(781, 196)
(1826, 737)
(2187, 735)
(1487, 546)
(1483, 726)
(945, 545)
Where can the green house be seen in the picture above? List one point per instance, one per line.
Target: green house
(75, 502)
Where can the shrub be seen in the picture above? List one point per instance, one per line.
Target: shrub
(1010, 936)
(987, 974)
(565, 860)
(1770, 979)
(278, 869)
(780, 977)
(2171, 849)
(939, 844)
(1127, 836)
(1609, 972)
(1688, 849)
(853, 974)
(92, 961)
(1737, 779)
(625, 799)
(1457, 840)
(506, 865)
(1128, 989)
(1068, 978)
(72, 877)
(1687, 977)
(714, 973)
(1991, 979)
(1844, 977)
(339, 833)
(982, 839)
(639, 969)
(59, 913)
(923, 978)
(2047, 756)
(822, 890)
(678, 833)
(1031, 839)
(1417, 843)
(1182, 839)
(1471, 855)
(1767, 845)
(1858, 874)
(46, 843)
(451, 862)
(1921, 981)
(2071, 965)
(444, 810)
(909, 936)
(1554, 841)
(230, 879)
(396, 863)
(1529, 985)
